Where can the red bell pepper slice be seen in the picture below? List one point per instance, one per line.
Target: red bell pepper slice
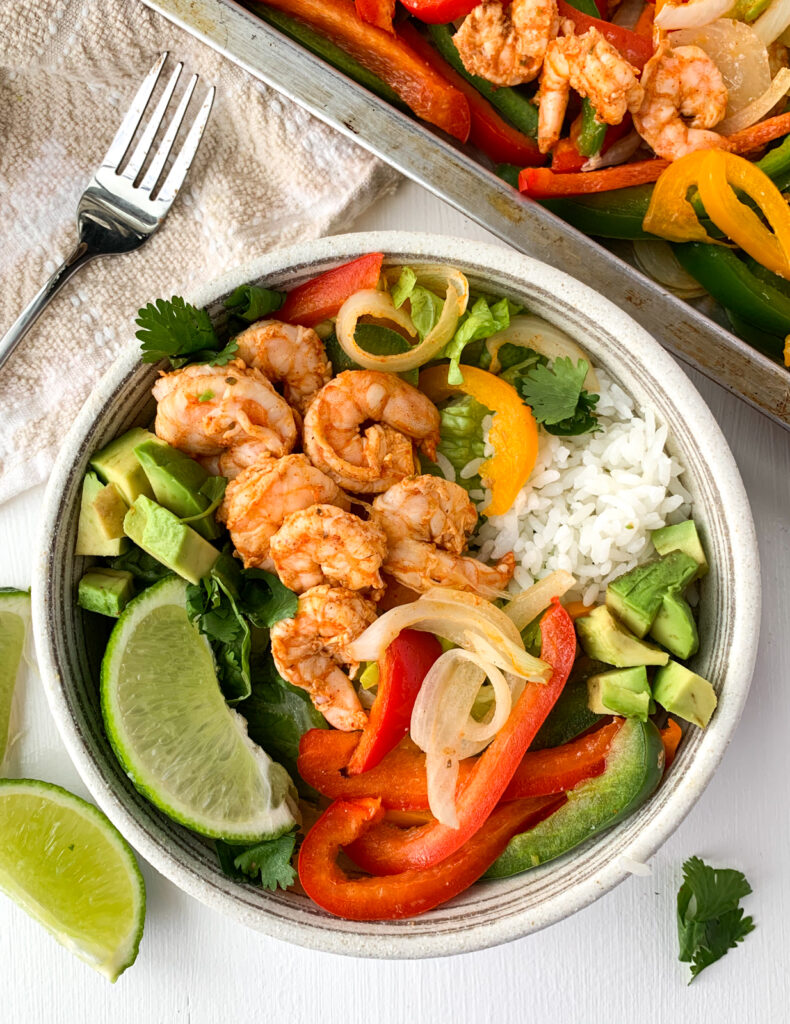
(637, 50)
(409, 892)
(400, 782)
(439, 12)
(542, 183)
(401, 671)
(387, 56)
(500, 141)
(315, 300)
(377, 12)
(387, 850)
(644, 23)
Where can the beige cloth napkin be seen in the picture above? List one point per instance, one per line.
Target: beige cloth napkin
(266, 174)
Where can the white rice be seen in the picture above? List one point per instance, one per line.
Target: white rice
(591, 501)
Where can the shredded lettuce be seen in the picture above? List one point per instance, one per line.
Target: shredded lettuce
(481, 321)
(461, 437)
(426, 308)
(404, 287)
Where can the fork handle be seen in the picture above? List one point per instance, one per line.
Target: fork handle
(78, 258)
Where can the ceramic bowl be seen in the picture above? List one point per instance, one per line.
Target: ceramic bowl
(489, 912)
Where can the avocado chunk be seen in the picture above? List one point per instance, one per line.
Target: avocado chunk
(636, 597)
(182, 485)
(100, 528)
(105, 591)
(681, 537)
(634, 766)
(623, 691)
(603, 638)
(570, 716)
(684, 693)
(674, 626)
(156, 530)
(117, 464)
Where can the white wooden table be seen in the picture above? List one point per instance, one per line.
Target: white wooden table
(613, 963)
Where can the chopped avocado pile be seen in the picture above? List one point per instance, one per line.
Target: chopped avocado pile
(649, 600)
(105, 591)
(102, 509)
(182, 485)
(156, 530)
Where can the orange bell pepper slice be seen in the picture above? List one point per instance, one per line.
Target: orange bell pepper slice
(513, 434)
(671, 735)
(377, 12)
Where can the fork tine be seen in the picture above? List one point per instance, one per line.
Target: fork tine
(125, 134)
(148, 184)
(141, 149)
(183, 161)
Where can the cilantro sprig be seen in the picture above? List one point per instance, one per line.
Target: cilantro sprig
(710, 919)
(176, 330)
(557, 396)
(267, 863)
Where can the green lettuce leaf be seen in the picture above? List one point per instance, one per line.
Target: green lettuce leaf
(461, 436)
(478, 323)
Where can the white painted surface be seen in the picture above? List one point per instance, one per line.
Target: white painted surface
(614, 962)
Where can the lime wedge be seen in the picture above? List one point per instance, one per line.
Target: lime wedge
(179, 742)
(14, 620)
(64, 863)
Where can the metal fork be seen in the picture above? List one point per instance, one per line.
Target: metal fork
(115, 215)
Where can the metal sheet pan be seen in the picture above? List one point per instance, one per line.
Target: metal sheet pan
(454, 175)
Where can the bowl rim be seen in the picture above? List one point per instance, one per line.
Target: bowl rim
(745, 585)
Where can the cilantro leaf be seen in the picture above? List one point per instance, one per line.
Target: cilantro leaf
(176, 330)
(230, 604)
(268, 863)
(557, 398)
(480, 322)
(251, 302)
(710, 920)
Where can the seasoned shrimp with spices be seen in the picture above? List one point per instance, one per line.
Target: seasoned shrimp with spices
(287, 354)
(309, 651)
(204, 410)
(594, 68)
(506, 45)
(325, 544)
(259, 499)
(684, 96)
(427, 521)
(361, 426)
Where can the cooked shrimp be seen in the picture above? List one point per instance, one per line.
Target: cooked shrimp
(232, 461)
(369, 459)
(324, 544)
(204, 410)
(309, 649)
(427, 508)
(684, 95)
(257, 502)
(594, 68)
(287, 354)
(506, 45)
(420, 566)
(427, 521)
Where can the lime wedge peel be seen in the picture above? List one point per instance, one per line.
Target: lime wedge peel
(172, 732)
(65, 864)
(14, 629)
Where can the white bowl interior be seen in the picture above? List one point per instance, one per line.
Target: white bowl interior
(490, 912)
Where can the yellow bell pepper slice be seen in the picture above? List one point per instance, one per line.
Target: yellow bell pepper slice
(670, 215)
(513, 434)
(720, 174)
(716, 174)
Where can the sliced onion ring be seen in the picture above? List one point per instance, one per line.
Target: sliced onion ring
(454, 623)
(533, 332)
(756, 110)
(379, 304)
(443, 726)
(496, 616)
(657, 260)
(531, 602)
(774, 22)
(691, 14)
